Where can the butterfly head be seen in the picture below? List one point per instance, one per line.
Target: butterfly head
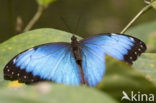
(74, 39)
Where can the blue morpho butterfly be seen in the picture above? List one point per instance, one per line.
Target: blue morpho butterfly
(75, 63)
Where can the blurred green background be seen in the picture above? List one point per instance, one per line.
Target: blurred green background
(96, 16)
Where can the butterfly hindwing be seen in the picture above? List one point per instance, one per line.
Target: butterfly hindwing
(93, 64)
(53, 62)
(94, 49)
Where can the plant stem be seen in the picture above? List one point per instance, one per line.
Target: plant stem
(136, 17)
(35, 18)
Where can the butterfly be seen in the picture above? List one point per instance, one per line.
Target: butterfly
(75, 63)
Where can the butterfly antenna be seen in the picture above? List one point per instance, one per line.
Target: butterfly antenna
(65, 23)
(83, 10)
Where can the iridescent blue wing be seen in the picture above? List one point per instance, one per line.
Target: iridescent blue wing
(53, 62)
(94, 49)
(93, 65)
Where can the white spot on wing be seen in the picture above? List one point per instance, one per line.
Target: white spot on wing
(113, 34)
(14, 61)
(18, 74)
(132, 39)
(139, 49)
(31, 49)
(25, 77)
(141, 46)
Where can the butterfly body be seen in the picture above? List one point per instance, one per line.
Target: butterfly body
(75, 63)
(77, 54)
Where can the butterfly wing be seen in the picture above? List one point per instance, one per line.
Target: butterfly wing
(53, 62)
(93, 64)
(94, 49)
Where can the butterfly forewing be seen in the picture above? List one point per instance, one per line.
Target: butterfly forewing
(53, 62)
(119, 46)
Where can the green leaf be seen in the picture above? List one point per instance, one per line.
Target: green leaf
(121, 77)
(27, 40)
(52, 93)
(153, 3)
(151, 42)
(142, 31)
(45, 2)
(147, 65)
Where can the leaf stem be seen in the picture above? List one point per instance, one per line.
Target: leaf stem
(35, 18)
(136, 17)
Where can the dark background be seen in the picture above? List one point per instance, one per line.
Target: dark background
(96, 16)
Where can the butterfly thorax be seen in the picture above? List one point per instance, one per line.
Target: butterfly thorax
(76, 48)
